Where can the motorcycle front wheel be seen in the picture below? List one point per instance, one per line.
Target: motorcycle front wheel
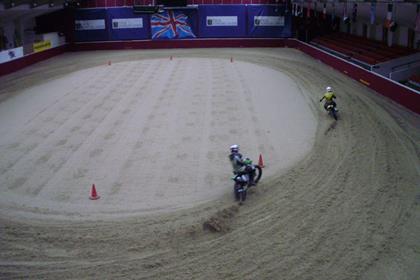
(240, 193)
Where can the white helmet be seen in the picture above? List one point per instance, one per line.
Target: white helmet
(329, 89)
(234, 148)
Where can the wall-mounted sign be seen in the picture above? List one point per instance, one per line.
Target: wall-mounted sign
(91, 24)
(222, 21)
(123, 23)
(42, 46)
(268, 21)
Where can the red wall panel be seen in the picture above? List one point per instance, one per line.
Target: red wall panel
(120, 3)
(169, 44)
(110, 3)
(100, 3)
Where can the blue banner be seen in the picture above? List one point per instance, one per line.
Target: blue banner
(91, 25)
(206, 21)
(269, 21)
(222, 21)
(126, 25)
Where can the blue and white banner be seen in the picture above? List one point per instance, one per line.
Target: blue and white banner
(125, 25)
(208, 21)
(90, 25)
(222, 21)
(268, 21)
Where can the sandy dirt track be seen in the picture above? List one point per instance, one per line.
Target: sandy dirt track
(153, 134)
(349, 209)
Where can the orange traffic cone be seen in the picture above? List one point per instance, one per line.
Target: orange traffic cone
(261, 162)
(93, 194)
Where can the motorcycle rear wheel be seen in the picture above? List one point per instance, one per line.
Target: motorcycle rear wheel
(258, 176)
(334, 114)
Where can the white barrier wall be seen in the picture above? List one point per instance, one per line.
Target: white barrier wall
(405, 74)
(400, 68)
(54, 38)
(11, 54)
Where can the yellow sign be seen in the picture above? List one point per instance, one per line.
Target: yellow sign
(42, 46)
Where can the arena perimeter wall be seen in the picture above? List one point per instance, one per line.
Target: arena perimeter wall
(27, 60)
(395, 91)
(201, 21)
(401, 94)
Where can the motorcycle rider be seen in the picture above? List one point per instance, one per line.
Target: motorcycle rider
(329, 97)
(241, 166)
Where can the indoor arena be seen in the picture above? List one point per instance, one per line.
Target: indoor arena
(120, 119)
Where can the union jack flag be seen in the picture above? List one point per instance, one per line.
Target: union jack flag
(170, 25)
